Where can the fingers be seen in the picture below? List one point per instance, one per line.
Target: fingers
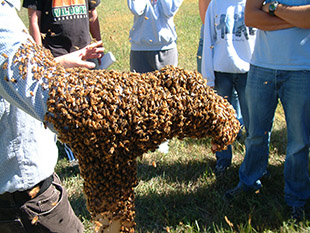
(87, 64)
(95, 45)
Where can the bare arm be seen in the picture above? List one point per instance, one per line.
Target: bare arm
(34, 28)
(79, 57)
(297, 16)
(254, 16)
(203, 6)
(94, 26)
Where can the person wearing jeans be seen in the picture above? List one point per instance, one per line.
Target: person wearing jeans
(227, 48)
(224, 84)
(280, 69)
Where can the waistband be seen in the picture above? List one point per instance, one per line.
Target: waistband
(20, 197)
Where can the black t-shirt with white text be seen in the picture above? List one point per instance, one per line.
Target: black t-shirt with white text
(64, 24)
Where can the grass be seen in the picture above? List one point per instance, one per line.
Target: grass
(182, 194)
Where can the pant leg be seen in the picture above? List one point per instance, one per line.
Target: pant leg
(224, 87)
(10, 221)
(295, 97)
(199, 54)
(236, 104)
(166, 57)
(240, 81)
(261, 97)
(141, 61)
(50, 212)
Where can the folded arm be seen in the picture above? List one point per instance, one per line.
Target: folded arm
(297, 16)
(254, 16)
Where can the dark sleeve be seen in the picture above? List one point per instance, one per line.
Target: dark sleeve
(31, 4)
(92, 4)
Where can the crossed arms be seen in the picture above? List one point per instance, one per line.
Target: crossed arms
(256, 15)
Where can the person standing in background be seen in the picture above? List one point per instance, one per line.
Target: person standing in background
(64, 27)
(203, 6)
(227, 48)
(153, 37)
(280, 69)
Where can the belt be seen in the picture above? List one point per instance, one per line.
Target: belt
(20, 197)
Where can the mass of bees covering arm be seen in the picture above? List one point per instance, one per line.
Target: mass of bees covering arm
(109, 118)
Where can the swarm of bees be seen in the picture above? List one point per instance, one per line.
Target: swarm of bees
(110, 118)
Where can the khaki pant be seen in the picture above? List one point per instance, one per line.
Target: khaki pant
(48, 212)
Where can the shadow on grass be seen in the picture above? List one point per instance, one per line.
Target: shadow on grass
(206, 206)
(278, 140)
(176, 172)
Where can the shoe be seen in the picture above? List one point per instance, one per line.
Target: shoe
(297, 213)
(232, 193)
(240, 188)
(219, 170)
(266, 175)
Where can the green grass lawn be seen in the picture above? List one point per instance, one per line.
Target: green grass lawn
(182, 194)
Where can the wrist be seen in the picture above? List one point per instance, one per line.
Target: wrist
(273, 7)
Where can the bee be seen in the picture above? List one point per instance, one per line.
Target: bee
(35, 220)
(5, 55)
(5, 66)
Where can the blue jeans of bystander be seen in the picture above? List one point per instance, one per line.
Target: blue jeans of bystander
(264, 88)
(225, 83)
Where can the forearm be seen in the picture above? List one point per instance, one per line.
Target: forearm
(297, 16)
(256, 17)
(34, 29)
(203, 6)
(94, 25)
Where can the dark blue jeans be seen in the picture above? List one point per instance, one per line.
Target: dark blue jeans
(264, 89)
(225, 83)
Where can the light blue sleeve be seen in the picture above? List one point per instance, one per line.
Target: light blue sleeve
(25, 92)
(137, 7)
(170, 7)
(209, 38)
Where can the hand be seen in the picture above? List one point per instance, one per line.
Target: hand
(265, 7)
(214, 147)
(79, 57)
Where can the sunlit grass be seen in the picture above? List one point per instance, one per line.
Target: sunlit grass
(179, 192)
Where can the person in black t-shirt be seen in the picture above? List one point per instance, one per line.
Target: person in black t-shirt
(63, 26)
